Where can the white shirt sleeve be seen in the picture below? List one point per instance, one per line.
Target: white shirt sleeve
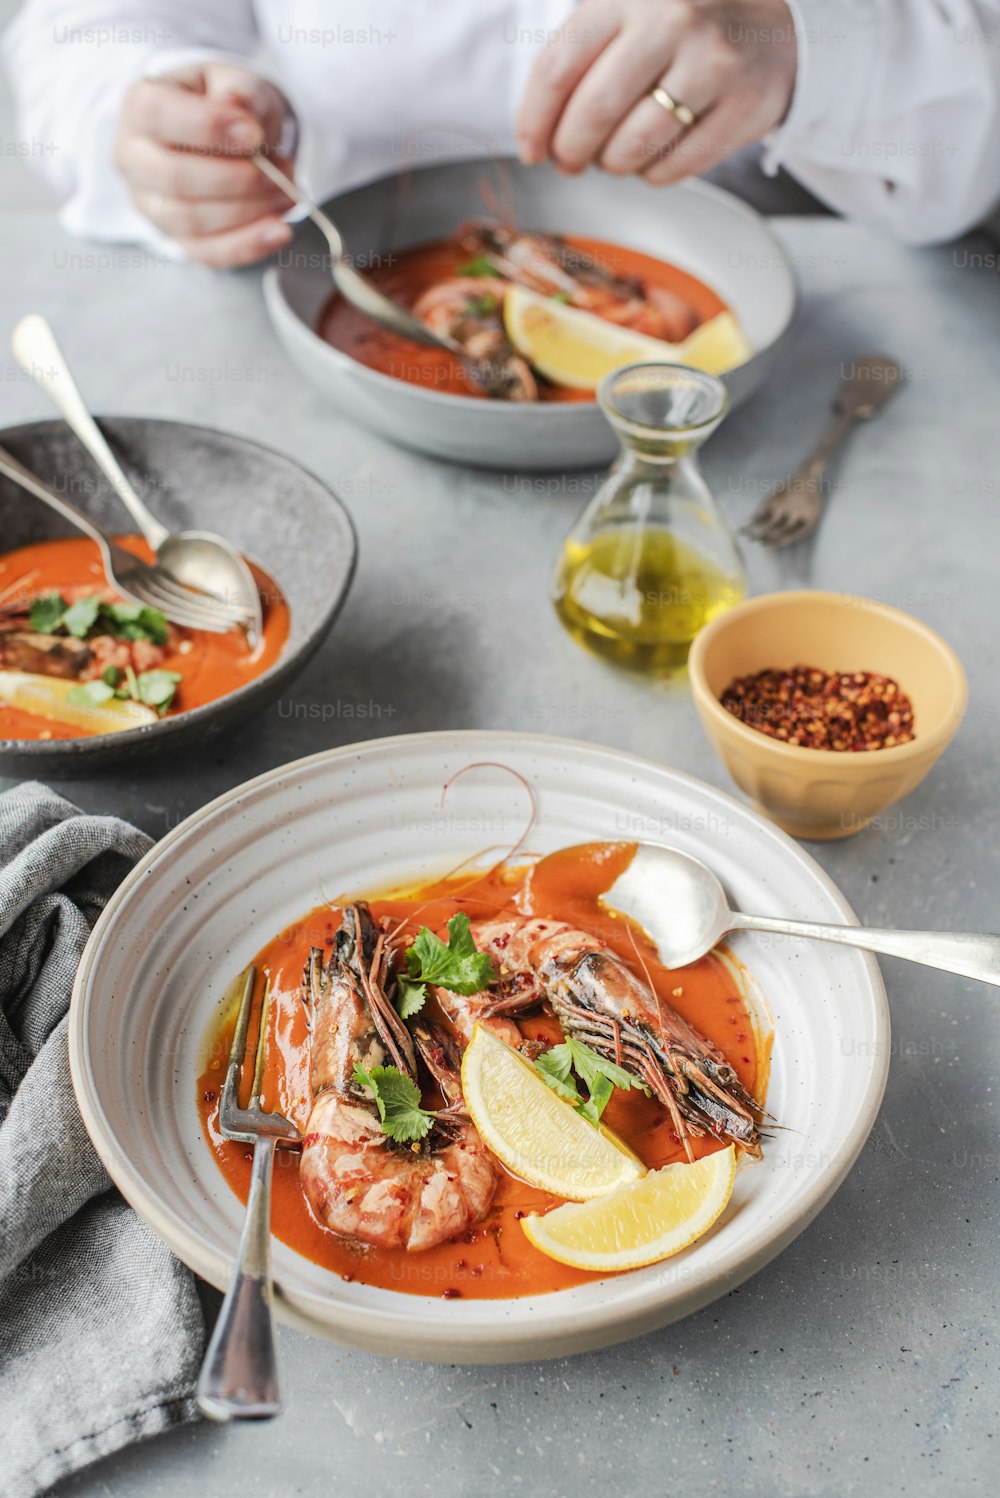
(71, 62)
(895, 118)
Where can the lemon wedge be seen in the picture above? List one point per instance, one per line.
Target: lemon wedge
(577, 349)
(48, 697)
(640, 1222)
(533, 1132)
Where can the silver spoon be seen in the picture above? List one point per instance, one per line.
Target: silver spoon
(198, 559)
(352, 287)
(682, 907)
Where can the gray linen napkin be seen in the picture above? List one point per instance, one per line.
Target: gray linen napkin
(101, 1330)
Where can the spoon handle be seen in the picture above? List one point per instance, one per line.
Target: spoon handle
(288, 185)
(967, 953)
(353, 287)
(18, 474)
(34, 344)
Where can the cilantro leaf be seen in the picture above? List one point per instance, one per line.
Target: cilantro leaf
(46, 613)
(132, 621)
(590, 1066)
(80, 617)
(482, 306)
(126, 621)
(600, 1077)
(90, 693)
(410, 997)
(157, 688)
(398, 1101)
(556, 1067)
(480, 266)
(456, 965)
(597, 1101)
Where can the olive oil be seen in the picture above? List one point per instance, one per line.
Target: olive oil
(650, 561)
(638, 596)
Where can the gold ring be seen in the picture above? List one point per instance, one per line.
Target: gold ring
(680, 112)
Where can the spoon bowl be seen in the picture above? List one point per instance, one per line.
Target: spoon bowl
(677, 901)
(683, 909)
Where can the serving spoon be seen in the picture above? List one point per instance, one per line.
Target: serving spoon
(355, 289)
(197, 559)
(682, 907)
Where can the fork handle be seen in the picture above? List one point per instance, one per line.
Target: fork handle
(239, 1377)
(18, 474)
(34, 344)
(811, 473)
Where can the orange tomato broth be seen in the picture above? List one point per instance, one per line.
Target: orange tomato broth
(214, 665)
(413, 271)
(494, 1260)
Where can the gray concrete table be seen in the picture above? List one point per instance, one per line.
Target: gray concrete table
(864, 1359)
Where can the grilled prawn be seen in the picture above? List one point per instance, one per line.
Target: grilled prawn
(359, 1182)
(600, 1001)
(469, 309)
(548, 264)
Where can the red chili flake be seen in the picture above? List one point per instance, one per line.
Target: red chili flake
(209, 1094)
(248, 1155)
(518, 1214)
(845, 711)
(451, 1294)
(501, 941)
(477, 1270)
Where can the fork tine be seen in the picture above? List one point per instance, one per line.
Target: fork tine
(135, 573)
(261, 1053)
(148, 591)
(238, 1047)
(799, 530)
(189, 597)
(759, 526)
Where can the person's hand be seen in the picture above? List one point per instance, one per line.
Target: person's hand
(589, 97)
(182, 146)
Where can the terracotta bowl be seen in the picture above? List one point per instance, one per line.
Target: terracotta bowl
(817, 793)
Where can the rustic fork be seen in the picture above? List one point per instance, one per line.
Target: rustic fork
(239, 1377)
(794, 509)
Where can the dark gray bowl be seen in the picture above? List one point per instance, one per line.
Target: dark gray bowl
(277, 513)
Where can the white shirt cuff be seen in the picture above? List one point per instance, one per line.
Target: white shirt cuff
(835, 46)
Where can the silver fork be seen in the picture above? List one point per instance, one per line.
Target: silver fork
(239, 1377)
(792, 512)
(129, 575)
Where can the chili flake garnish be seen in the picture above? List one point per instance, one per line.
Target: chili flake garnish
(846, 711)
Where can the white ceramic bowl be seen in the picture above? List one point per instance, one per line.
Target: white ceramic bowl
(207, 897)
(701, 228)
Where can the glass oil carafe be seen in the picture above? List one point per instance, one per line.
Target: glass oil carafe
(651, 560)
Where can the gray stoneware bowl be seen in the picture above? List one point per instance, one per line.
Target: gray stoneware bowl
(277, 513)
(694, 225)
